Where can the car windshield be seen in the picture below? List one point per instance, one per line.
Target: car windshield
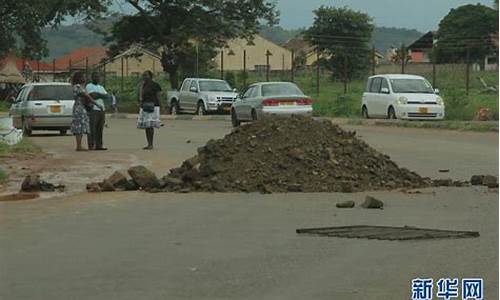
(280, 89)
(214, 86)
(51, 92)
(417, 86)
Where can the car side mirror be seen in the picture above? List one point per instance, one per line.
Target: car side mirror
(384, 90)
(436, 91)
(235, 90)
(193, 89)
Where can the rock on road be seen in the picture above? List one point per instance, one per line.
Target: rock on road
(244, 246)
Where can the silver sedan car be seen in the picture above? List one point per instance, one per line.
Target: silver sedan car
(270, 98)
(43, 106)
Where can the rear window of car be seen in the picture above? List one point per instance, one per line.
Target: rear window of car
(280, 89)
(51, 92)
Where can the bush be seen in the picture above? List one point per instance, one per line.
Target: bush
(4, 106)
(230, 78)
(457, 106)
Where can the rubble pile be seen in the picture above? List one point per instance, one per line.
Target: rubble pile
(486, 180)
(33, 183)
(119, 182)
(296, 154)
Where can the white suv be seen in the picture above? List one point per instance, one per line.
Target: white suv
(399, 96)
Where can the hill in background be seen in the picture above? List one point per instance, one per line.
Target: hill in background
(68, 38)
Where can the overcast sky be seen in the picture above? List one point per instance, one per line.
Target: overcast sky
(422, 15)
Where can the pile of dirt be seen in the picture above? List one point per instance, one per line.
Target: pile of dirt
(296, 154)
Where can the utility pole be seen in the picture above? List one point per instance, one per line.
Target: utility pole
(126, 66)
(222, 64)
(283, 65)
(104, 73)
(434, 57)
(121, 83)
(244, 68)
(345, 74)
(317, 72)
(87, 68)
(374, 53)
(197, 60)
(467, 72)
(54, 69)
(268, 67)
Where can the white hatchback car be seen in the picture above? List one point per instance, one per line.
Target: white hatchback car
(400, 96)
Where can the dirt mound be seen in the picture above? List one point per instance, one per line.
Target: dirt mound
(295, 154)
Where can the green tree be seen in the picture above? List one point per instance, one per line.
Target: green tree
(174, 26)
(466, 28)
(22, 22)
(342, 36)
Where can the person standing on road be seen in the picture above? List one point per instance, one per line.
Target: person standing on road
(97, 115)
(149, 103)
(80, 122)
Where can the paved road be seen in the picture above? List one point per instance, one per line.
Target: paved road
(244, 246)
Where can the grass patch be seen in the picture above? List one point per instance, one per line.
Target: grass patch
(24, 147)
(4, 106)
(3, 175)
(451, 125)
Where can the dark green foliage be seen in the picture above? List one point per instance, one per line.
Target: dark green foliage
(467, 26)
(343, 36)
(22, 21)
(174, 26)
(230, 78)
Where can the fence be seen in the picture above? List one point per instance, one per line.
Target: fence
(462, 73)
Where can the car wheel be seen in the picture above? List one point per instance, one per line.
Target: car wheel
(364, 112)
(201, 109)
(174, 108)
(254, 115)
(234, 119)
(63, 131)
(391, 113)
(26, 128)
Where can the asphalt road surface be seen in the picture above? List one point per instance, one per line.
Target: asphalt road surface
(243, 246)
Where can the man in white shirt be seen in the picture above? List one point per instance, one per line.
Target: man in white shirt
(97, 116)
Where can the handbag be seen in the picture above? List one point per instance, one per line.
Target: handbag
(148, 107)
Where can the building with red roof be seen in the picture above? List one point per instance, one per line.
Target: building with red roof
(81, 58)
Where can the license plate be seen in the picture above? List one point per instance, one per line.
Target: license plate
(423, 110)
(287, 103)
(227, 108)
(55, 109)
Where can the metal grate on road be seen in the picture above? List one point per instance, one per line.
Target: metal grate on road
(386, 233)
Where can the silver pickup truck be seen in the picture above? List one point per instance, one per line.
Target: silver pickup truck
(200, 96)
